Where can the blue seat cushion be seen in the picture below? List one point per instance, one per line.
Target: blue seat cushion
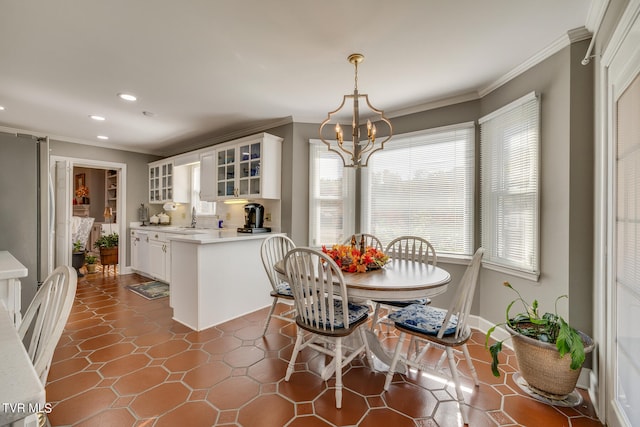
(283, 288)
(357, 312)
(422, 301)
(423, 319)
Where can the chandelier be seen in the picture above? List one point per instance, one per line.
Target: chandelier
(355, 153)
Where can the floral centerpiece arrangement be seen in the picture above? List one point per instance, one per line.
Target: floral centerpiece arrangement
(82, 191)
(353, 260)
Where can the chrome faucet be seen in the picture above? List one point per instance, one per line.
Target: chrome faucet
(194, 218)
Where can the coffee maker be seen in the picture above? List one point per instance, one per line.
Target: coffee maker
(253, 219)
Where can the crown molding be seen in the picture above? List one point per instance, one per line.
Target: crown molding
(431, 105)
(572, 36)
(61, 138)
(196, 144)
(595, 14)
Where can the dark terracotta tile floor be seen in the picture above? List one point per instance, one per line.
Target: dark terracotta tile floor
(122, 361)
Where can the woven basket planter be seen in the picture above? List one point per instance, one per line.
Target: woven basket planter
(541, 366)
(109, 256)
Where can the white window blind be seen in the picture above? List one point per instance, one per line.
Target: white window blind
(509, 159)
(423, 184)
(626, 241)
(331, 197)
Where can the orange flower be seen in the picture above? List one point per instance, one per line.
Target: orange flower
(350, 259)
(82, 191)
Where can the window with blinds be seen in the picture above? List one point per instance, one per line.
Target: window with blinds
(626, 241)
(331, 197)
(422, 184)
(509, 186)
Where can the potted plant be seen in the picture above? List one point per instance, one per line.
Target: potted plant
(91, 260)
(108, 245)
(541, 344)
(77, 257)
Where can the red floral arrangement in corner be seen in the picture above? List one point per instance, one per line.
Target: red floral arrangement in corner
(82, 191)
(351, 260)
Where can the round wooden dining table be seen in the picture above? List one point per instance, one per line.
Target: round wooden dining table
(398, 280)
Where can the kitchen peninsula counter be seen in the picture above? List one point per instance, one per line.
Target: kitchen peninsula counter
(217, 276)
(202, 235)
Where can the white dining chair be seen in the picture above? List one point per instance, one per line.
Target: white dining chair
(369, 241)
(273, 250)
(325, 316)
(46, 316)
(411, 248)
(445, 329)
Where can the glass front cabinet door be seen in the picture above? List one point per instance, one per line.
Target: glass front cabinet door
(168, 183)
(226, 176)
(154, 184)
(249, 176)
(249, 168)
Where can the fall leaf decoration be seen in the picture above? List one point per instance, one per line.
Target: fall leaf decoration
(351, 260)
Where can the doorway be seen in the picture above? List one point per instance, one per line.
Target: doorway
(105, 187)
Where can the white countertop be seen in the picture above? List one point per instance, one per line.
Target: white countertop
(203, 235)
(10, 268)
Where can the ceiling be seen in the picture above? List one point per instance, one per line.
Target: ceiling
(203, 69)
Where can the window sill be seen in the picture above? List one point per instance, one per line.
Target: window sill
(534, 277)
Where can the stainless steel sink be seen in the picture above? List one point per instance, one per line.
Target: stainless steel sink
(184, 230)
(189, 231)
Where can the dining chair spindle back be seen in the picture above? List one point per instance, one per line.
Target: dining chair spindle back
(445, 329)
(324, 315)
(273, 249)
(47, 316)
(412, 248)
(369, 241)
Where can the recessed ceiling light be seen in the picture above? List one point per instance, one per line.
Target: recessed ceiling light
(103, 137)
(127, 97)
(1, 108)
(98, 118)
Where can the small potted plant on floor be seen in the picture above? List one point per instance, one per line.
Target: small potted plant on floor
(108, 245)
(91, 261)
(541, 344)
(77, 257)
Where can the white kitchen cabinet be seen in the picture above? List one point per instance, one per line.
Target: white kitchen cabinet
(168, 183)
(207, 176)
(245, 168)
(157, 261)
(160, 255)
(140, 251)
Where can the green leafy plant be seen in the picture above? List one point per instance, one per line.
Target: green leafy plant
(107, 241)
(77, 246)
(549, 327)
(91, 259)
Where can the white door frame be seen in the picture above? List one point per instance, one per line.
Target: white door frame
(619, 64)
(121, 203)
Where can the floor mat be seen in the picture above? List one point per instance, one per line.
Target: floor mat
(151, 290)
